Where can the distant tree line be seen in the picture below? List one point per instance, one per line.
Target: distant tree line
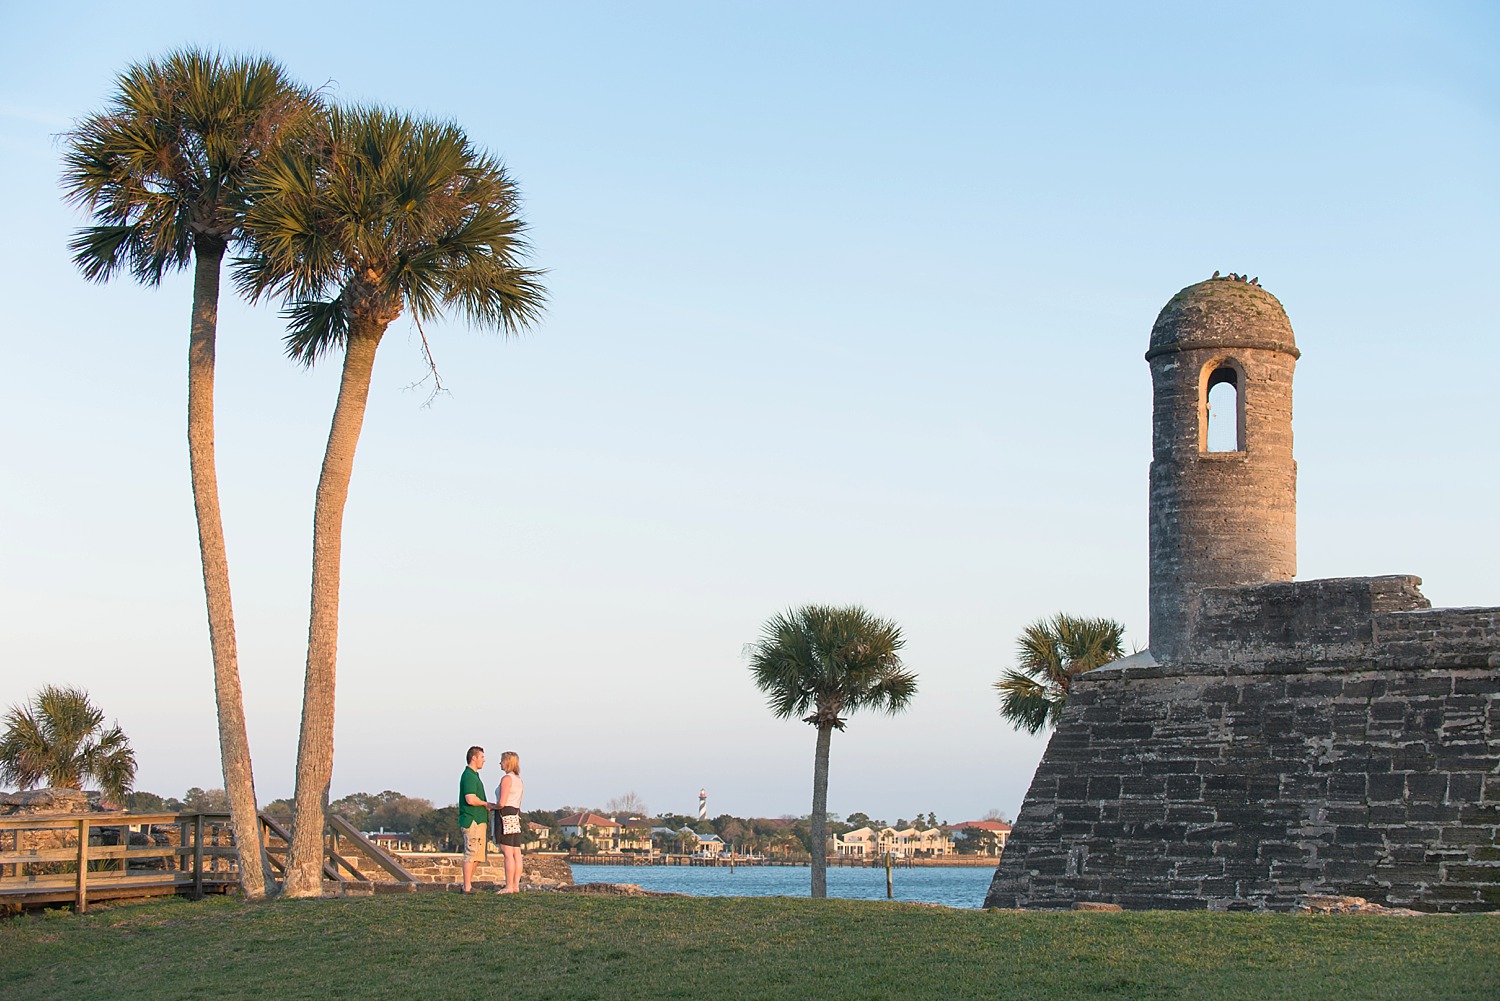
(436, 828)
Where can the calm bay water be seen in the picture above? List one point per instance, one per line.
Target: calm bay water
(954, 887)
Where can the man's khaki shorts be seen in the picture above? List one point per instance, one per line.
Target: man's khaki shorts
(475, 836)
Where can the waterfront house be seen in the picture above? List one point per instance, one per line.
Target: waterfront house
(709, 844)
(983, 837)
(603, 832)
(861, 842)
(865, 842)
(634, 834)
(391, 841)
(931, 843)
(538, 837)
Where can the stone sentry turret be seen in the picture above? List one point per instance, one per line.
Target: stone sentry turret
(1280, 739)
(1219, 518)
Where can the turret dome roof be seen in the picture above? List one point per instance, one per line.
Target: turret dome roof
(1222, 313)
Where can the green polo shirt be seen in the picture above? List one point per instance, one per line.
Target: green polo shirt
(470, 815)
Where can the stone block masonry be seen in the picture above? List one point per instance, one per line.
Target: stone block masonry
(444, 867)
(1324, 737)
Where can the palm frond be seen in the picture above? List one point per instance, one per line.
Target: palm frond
(110, 761)
(314, 328)
(98, 250)
(894, 691)
(23, 749)
(510, 299)
(1037, 652)
(1023, 702)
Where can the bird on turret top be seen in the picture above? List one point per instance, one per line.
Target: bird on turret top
(1255, 280)
(1215, 275)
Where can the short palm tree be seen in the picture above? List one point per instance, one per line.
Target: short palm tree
(828, 662)
(60, 738)
(1050, 654)
(163, 170)
(383, 214)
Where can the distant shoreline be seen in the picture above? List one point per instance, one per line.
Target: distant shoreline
(947, 862)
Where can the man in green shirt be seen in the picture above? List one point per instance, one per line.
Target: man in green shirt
(473, 815)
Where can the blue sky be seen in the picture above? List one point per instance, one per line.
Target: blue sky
(849, 303)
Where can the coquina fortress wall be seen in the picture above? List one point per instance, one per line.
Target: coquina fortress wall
(1279, 738)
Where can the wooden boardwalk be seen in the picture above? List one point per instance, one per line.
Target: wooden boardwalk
(80, 858)
(89, 857)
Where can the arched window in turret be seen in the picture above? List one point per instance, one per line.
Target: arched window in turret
(1222, 407)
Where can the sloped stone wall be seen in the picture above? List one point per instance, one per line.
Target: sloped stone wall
(1355, 752)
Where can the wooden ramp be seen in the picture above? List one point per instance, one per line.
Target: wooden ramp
(91, 857)
(352, 863)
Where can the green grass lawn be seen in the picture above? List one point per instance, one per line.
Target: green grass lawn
(541, 945)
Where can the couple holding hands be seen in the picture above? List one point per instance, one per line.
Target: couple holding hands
(474, 817)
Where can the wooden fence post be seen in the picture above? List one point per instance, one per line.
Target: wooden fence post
(198, 857)
(82, 903)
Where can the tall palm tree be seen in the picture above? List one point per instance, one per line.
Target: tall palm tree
(163, 171)
(1050, 653)
(384, 214)
(61, 738)
(832, 661)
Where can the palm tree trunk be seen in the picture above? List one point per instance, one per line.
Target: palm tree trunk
(315, 747)
(234, 741)
(820, 812)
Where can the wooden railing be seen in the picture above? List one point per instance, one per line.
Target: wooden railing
(51, 859)
(78, 857)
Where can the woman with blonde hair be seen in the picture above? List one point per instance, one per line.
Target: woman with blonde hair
(509, 819)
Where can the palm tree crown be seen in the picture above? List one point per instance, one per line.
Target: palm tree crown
(832, 661)
(60, 737)
(1050, 653)
(166, 165)
(384, 212)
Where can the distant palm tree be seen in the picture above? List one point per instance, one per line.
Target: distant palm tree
(1050, 654)
(163, 170)
(60, 738)
(832, 661)
(384, 214)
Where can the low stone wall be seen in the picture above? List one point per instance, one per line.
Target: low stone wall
(1248, 779)
(447, 867)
